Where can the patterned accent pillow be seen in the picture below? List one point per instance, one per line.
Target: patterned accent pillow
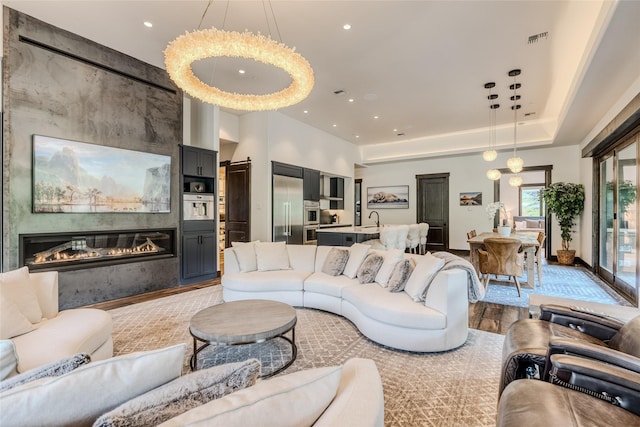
(54, 369)
(335, 262)
(400, 275)
(181, 395)
(369, 268)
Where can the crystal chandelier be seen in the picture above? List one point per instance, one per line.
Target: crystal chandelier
(491, 154)
(515, 163)
(212, 43)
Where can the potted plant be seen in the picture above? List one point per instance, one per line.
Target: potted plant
(504, 229)
(566, 201)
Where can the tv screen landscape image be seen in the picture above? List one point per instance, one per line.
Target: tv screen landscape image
(78, 177)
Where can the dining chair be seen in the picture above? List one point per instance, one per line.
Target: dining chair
(501, 257)
(424, 230)
(538, 255)
(413, 238)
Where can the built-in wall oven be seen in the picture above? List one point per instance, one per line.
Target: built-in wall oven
(310, 236)
(311, 222)
(311, 212)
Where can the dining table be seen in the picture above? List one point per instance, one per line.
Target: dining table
(529, 245)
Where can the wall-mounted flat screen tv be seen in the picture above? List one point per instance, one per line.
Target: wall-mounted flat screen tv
(78, 177)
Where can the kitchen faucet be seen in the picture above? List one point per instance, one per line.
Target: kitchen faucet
(377, 218)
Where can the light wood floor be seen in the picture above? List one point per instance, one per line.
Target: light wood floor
(484, 316)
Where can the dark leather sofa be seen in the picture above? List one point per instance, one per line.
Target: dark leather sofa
(570, 368)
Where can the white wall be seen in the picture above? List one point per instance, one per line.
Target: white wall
(467, 174)
(271, 136)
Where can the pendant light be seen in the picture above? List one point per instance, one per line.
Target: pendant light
(491, 154)
(515, 163)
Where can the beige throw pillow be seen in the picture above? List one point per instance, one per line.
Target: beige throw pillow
(12, 321)
(422, 275)
(82, 395)
(291, 400)
(400, 275)
(335, 262)
(246, 256)
(391, 258)
(182, 394)
(16, 286)
(272, 256)
(369, 268)
(357, 253)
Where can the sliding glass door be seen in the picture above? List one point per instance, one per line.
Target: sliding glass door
(618, 219)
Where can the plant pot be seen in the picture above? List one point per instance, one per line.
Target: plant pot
(566, 257)
(504, 231)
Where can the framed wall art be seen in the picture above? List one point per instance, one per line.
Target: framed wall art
(471, 199)
(391, 197)
(77, 177)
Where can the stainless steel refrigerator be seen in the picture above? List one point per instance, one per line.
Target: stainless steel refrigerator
(288, 209)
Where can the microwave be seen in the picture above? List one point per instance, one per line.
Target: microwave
(197, 207)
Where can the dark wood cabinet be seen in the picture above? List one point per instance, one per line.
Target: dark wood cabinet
(336, 189)
(198, 254)
(334, 238)
(198, 237)
(311, 184)
(198, 162)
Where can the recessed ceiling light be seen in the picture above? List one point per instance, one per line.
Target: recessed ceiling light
(306, 111)
(347, 26)
(241, 71)
(376, 117)
(395, 130)
(148, 24)
(335, 125)
(357, 136)
(351, 99)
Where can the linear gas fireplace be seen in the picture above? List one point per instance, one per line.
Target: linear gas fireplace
(72, 251)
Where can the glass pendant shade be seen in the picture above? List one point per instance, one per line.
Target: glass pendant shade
(515, 164)
(515, 181)
(493, 174)
(489, 155)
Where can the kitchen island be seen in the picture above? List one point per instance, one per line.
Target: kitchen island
(346, 236)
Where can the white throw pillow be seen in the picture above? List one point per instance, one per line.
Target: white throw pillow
(296, 399)
(424, 272)
(16, 286)
(82, 395)
(272, 256)
(391, 258)
(357, 253)
(246, 255)
(8, 359)
(12, 321)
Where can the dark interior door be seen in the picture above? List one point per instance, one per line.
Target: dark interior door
(433, 208)
(237, 203)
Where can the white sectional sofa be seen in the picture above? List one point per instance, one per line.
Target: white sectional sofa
(51, 335)
(394, 319)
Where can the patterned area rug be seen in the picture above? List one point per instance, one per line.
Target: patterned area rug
(557, 280)
(454, 388)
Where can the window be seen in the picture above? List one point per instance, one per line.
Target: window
(531, 202)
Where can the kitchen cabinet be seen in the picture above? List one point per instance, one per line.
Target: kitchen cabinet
(336, 192)
(311, 180)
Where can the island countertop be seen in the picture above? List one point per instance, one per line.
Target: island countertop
(371, 229)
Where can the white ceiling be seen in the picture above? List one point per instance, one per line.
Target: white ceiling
(420, 66)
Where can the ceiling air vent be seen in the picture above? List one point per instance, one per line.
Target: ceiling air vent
(339, 92)
(534, 38)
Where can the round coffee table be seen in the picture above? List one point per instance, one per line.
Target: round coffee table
(243, 322)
